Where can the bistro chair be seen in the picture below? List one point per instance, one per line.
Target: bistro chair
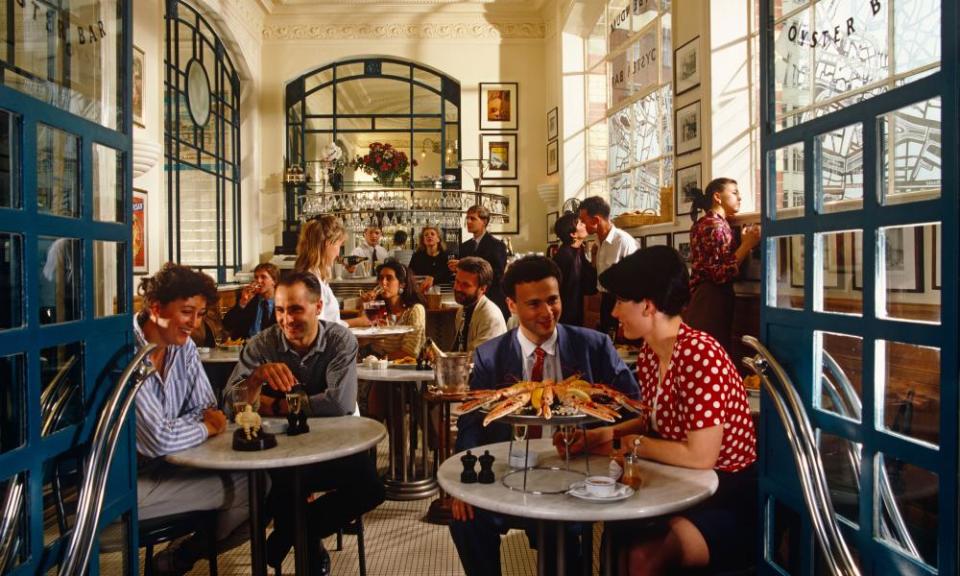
(168, 528)
(354, 528)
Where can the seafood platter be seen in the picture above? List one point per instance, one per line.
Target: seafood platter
(569, 401)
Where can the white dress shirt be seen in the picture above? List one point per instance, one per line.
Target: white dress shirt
(367, 268)
(551, 362)
(614, 247)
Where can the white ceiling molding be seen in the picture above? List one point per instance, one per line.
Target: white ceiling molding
(400, 31)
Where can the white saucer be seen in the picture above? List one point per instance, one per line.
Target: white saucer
(578, 490)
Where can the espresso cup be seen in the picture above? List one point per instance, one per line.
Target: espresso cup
(601, 486)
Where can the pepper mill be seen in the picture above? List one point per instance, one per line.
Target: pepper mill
(486, 468)
(469, 475)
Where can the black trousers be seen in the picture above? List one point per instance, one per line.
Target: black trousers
(352, 489)
(608, 324)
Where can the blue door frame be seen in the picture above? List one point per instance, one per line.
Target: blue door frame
(789, 333)
(105, 341)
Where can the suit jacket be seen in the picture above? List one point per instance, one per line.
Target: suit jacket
(579, 278)
(493, 251)
(485, 324)
(239, 321)
(498, 363)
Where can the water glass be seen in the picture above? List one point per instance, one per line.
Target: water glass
(239, 399)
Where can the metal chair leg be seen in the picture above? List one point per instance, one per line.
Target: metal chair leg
(360, 547)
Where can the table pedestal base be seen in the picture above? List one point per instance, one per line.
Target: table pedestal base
(441, 511)
(410, 489)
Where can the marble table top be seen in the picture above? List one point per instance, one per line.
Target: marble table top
(328, 439)
(665, 489)
(394, 374)
(221, 355)
(380, 332)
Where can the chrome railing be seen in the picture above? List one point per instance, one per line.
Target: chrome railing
(103, 445)
(806, 455)
(847, 402)
(12, 506)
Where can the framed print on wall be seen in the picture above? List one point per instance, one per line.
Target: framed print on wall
(138, 92)
(656, 240)
(499, 155)
(551, 222)
(688, 128)
(688, 180)
(553, 157)
(553, 124)
(686, 66)
(512, 208)
(499, 105)
(902, 252)
(681, 243)
(140, 231)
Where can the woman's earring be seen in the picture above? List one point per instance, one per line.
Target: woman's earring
(400, 291)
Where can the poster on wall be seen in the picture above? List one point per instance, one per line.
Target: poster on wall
(499, 105)
(499, 155)
(137, 92)
(139, 231)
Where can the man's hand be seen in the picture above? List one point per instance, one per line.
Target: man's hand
(426, 283)
(215, 421)
(247, 294)
(462, 512)
(275, 374)
(452, 265)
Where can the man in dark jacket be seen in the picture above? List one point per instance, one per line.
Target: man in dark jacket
(253, 312)
(484, 245)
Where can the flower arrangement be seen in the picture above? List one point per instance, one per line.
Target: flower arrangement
(384, 162)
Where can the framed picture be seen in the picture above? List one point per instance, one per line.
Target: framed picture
(688, 128)
(551, 222)
(686, 66)
(681, 243)
(553, 124)
(511, 209)
(499, 105)
(936, 255)
(138, 91)
(499, 155)
(688, 180)
(139, 231)
(903, 259)
(553, 157)
(656, 240)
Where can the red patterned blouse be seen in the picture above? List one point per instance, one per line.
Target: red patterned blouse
(701, 389)
(712, 253)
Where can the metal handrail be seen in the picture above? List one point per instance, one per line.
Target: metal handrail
(55, 387)
(845, 398)
(102, 448)
(12, 506)
(806, 456)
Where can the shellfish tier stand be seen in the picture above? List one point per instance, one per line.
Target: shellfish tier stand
(366, 202)
(578, 420)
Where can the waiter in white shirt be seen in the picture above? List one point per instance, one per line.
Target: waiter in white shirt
(371, 250)
(614, 244)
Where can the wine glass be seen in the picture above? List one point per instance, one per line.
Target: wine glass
(567, 435)
(239, 399)
(518, 453)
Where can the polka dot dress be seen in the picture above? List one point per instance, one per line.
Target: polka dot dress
(702, 388)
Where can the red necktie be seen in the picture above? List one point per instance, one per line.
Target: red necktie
(536, 375)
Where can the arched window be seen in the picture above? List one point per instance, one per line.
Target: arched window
(202, 133)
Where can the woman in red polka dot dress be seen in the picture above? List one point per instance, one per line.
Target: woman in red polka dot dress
(700, 418)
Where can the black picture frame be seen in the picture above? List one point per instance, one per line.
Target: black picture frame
(551, 222)
(681, 243)
(688, 124)
(686, 67)
(499, 105)
(685, 178)
(909, 282)
(498, 152)
(553, 157)
(512, 194)
(553, 124)
(657, 240)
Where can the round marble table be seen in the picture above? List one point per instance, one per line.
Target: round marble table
(328, 439)
(229, 355)
(665, 489)
(403, 480)
(369, 332)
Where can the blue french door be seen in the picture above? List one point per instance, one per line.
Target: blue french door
(860, 174)
(65, 261)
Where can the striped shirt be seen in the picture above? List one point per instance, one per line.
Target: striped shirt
(170, 406)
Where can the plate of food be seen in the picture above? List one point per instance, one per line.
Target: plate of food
(405, 362)
(232, 344)
(566, 402)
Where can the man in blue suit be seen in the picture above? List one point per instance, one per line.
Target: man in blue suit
(539, 349)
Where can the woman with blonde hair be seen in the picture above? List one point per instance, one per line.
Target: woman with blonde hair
(430, 260)
(317, 250)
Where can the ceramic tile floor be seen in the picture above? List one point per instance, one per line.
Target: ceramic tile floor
(398, 543)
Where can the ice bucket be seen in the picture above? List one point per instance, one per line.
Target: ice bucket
(452, 372)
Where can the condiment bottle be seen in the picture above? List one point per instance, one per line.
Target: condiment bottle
(631, 471)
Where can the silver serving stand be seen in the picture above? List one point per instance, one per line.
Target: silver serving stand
(562, 485)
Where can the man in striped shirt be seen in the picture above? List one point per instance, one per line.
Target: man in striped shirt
(176, 410)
